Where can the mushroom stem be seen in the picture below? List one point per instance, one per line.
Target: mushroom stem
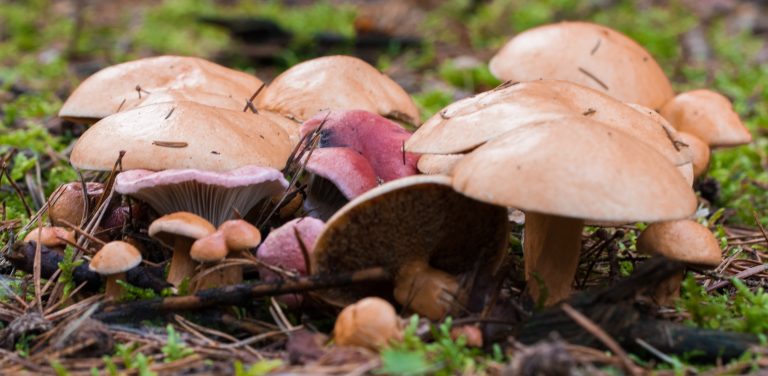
(667, 292)
(552, 246)
(182, 265)
(113, 290)
(427, 291)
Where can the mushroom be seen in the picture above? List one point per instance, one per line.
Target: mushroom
(685, 241)
(215, 196)
(420, 230)
(210, 249)
(182, 135)
(562, 173)
(708, 116)
(178, 231)
(241, 237)
(587, 54)
(68, 202)
(113, 260)
(283, 248)
(699, 151)
(52, 237)
(232, 238)
(105, 92)
(336, 82)
(371, 323)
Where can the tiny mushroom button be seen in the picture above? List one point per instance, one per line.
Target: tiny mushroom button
(113, 260)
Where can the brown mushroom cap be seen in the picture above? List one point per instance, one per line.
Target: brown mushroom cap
(700, 152)
(68, 201)
(413, 218)
(240, 235)
(305, 89)
(103, 93)
(182, 135)
(188, 225)
(683, 240)
(115, 257)
(210, 248)
(579, 169)
(588, 54)
(708, 116)
(52, 236)
(371, 323)
(471, 122)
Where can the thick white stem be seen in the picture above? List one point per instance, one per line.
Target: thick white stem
(552, 247)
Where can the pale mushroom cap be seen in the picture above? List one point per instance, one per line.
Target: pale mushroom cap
(471, 122)
(336, 82)
(580, 169)
(240, 235)
(115, 257)
(707, 115)
(210, 248)
(684, 240)
(414, 218)
(699, 150)
(371, 323)
(102, 94)
(197, 96)
(189, 225)
(438, 164)
(182, 135)
(588, 54)
(51, 236)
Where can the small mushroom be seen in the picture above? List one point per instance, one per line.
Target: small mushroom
(420, 230)
(209, 250)
(178, 231)
(68, 202)
(708, 116)
(700, 152)
(283, 248)
(51, 237)
(113, 260)
(371, 323)
(241, 237)
(682, 240)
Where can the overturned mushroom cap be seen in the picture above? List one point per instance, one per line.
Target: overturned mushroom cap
(336, 82)
(588, 54)
(371, 323)
(683, 240)
(212, 195)
(182, 135)
(416, 218)
(103, 93)
(577, 169)
(471, 122)
(115, 257)
(708, 116)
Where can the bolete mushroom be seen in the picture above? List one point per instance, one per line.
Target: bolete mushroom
(178, 231)
(563, 172)
(336, 83)
(683, 240)
(371, 323)
(113, 260)
(105, 92)
(419, 229)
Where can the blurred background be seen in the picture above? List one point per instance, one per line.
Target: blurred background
(437, 50)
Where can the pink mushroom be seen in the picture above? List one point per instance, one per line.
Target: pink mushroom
(281, 248)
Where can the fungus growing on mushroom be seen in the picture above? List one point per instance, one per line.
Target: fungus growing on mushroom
(683, 240)
(283, 248)
(303, 90)
(371, 323)
(105, 92)
(178, 231)
(113, 260)
(68, 202)
(561, 173)
(419, 229)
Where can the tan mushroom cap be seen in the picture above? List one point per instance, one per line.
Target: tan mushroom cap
(115, 257)
(684, 240)
(51, 236)
(471, 122)
(588, 54)
(412, 218)
(708, 116)
(371, 323)
(182, 135)
(579, 169)
(210, 248)
(168, 227)
(240, 235)
(438, 164)
(102, 94)
(197, 96)
(337, 82)
(699, 150)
